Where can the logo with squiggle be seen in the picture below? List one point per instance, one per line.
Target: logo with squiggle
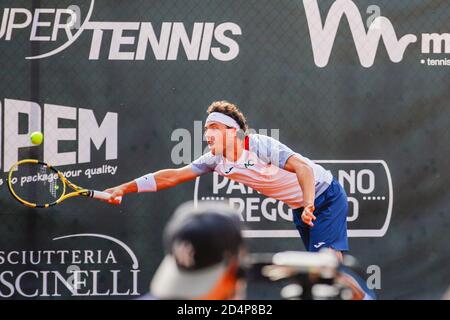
(323, 35)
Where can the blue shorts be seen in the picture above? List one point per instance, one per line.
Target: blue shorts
(330, 227)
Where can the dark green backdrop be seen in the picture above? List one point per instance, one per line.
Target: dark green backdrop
(395, 112)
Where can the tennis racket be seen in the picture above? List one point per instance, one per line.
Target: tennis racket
(37, 184)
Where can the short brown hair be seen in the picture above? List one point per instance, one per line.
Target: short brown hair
(230, 110)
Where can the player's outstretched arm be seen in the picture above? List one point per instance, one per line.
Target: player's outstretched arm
(162, 179)
(168, 178)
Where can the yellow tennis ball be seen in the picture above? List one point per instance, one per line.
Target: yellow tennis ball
(37, 137)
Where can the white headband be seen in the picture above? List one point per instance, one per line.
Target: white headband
(222, 118)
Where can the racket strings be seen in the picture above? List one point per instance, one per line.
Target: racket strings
(52, 186)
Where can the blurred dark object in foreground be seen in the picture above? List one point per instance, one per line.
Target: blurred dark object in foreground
(310, 276)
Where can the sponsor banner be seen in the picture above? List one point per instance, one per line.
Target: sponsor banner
(74, 265)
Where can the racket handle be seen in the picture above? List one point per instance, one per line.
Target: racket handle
(104, 196)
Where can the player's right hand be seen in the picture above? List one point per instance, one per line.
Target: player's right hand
(115, 192)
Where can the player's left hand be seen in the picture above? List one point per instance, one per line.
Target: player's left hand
(307, 215)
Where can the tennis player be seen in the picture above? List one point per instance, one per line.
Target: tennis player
(318, 201)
